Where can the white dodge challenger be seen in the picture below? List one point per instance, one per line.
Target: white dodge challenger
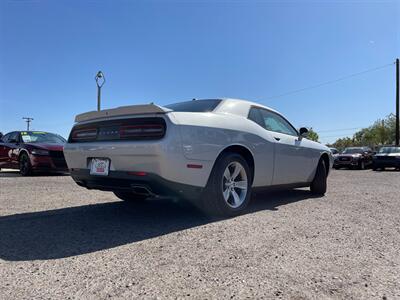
(212, 152)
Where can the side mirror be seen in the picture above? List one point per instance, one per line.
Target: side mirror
(303, 132)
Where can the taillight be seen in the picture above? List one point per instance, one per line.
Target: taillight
(152, 128)
(84, 134)
(141, 130)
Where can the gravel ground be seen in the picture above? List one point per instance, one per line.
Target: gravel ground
(60, 241)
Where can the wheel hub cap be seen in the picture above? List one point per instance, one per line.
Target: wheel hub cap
(234, 187)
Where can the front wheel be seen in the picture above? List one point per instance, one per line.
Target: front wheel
(361, 165)
(318, 185)
(228, 189)
(25, 167)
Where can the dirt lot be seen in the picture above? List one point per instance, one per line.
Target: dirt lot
(58, 240)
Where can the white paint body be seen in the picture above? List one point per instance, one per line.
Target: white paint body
(199, 138)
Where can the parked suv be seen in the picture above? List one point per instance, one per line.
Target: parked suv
(354, 157)
(31, 151)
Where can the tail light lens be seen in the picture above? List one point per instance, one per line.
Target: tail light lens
(141, 130)
(127, 129)
(84, 134)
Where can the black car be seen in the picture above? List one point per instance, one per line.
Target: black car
(387, 157)
(354, 158)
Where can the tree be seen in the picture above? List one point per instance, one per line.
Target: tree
(312, 135)
(382, 132)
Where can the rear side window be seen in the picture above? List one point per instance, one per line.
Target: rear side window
(271, 121)
(14, 137)
(275, 122)
(6, 137)
(255, 116)
(195, 105)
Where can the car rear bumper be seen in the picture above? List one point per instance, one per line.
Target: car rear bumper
(145, 183)
(163, 158)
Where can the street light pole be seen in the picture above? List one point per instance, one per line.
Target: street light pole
(397, 104)
(100, 80)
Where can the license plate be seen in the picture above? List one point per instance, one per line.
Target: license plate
(99, 166)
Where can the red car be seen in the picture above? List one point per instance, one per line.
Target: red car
(31, 151)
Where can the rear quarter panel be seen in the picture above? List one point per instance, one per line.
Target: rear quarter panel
(205, 135)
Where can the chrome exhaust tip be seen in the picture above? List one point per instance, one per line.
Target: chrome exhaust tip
(142, 190)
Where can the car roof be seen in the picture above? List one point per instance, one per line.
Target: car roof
(249, 103)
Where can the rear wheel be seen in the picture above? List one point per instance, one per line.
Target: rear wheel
(229, 187)
(25, 167)
(318, 185)
(129, 196)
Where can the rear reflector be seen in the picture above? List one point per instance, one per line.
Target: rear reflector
(194, 166)
(138, 173)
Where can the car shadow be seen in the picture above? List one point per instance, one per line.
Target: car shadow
(15, 173)
(71, 231)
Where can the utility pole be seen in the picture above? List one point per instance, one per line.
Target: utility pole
(28, 122)
(397, 104)
(100, 80)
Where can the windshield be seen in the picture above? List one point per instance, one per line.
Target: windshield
(389, 150)
(195, 105)
(353, 150)
(41, 137)
(334, 151)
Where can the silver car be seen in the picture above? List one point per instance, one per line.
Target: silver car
(212, 152)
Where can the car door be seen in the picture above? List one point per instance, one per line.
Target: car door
(11, 149)
(15, 144)
(292, 161)
(4, 157)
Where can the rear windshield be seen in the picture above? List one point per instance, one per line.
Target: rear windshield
(195, 105)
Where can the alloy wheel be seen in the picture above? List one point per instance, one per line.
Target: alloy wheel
(24, 165)
(234, 184)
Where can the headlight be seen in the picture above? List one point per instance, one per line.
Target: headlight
(40, 152)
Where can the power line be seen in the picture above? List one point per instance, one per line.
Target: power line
(330, 136)
(330, 81)
(343, 129)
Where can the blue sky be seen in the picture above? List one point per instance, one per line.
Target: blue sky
(169, 51)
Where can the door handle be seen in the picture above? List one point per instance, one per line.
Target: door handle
(277, 138)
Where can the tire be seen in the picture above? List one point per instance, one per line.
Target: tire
(228, 190)
(361, 165)
(130, 197)
(319, 183)
(25, 167)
